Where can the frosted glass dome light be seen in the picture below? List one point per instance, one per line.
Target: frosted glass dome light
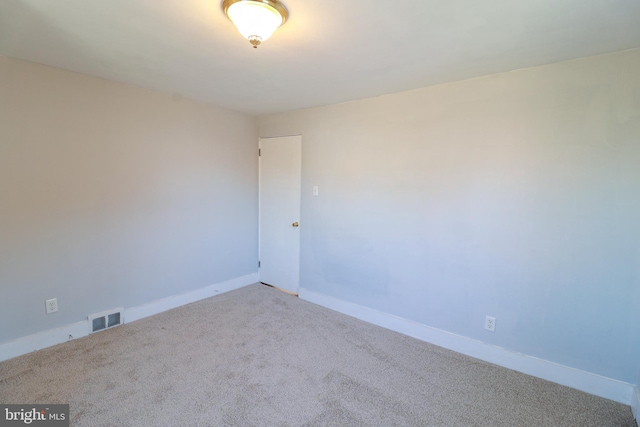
(256, 20)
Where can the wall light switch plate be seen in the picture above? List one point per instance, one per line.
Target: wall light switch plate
(315, 190)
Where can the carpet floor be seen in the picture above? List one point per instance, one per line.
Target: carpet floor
(260, 357)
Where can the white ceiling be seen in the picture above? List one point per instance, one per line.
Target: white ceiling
(329, 51)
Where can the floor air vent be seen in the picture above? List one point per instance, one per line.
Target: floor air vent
(106, 319)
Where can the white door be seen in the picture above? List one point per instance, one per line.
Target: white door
(280, 173)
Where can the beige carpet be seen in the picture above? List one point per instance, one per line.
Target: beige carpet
(259, 357)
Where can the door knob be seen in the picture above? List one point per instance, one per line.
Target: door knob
(295, 224)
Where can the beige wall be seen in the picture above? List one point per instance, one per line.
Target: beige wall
(113, 196)
(514, 195)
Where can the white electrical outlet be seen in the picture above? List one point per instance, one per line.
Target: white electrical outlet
(52, 305)
(490, 323)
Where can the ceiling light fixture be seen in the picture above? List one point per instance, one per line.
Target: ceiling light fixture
(256, 19)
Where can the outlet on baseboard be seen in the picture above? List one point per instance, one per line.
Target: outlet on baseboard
(51, 305)
(490, 323)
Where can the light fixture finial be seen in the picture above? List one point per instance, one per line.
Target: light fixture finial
(255, 41)
(256, 19)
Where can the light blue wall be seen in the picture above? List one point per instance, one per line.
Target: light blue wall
(113, 196)
(515, 195)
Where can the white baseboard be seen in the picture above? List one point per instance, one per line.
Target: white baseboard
(635, 403)
(40, 340)
(585, 381)
(24, 345)
(141, 311)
